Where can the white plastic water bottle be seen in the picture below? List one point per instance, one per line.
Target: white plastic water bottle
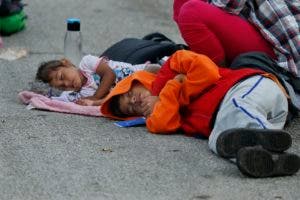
(72, 41)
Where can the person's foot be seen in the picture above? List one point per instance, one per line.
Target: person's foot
(258, 162)
(230, 141)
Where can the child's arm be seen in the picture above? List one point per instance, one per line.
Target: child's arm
(165, 117)
(150, 101)
(108, 78)
(201, 72)
(153, 68)
(89, 102)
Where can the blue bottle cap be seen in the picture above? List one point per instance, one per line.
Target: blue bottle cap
(73, 24)
(72, 20)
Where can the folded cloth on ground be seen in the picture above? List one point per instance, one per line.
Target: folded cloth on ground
(38, 101)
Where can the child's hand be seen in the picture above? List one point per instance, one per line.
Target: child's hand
(89, 102)
(85, 102)
(93, 98)
(180, 78)
(153, 68)
(148, 104)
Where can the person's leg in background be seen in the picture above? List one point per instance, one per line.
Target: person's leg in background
(211, 31)
(196, 34)
(249, 128)
(176, 8)
(246, 106)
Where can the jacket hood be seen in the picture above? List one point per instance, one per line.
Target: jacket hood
(144, 77)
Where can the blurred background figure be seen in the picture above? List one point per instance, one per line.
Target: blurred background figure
(12, 17)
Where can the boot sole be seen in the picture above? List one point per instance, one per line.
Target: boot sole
(260, 163)
(230, 141)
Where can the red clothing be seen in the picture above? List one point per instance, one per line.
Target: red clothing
(214, 32)
(190, 105)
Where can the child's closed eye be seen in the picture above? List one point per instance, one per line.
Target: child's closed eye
(59, 76)
(128, 95)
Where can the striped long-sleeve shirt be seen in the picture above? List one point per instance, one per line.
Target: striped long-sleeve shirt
(278, 22)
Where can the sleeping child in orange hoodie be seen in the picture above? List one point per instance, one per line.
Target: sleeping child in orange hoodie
(234, 109)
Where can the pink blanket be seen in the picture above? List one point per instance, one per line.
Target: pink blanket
(37, 101)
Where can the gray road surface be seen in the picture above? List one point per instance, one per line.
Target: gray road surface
(47, 155)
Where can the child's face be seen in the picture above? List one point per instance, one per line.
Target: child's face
(67, 78)
(130, 102)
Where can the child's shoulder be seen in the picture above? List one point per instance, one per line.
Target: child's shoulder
(89, 62)
(89, 57)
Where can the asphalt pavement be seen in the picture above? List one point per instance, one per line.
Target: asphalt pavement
(48, 155)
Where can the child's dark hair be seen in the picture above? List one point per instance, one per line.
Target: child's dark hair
(45, 68)
(114, 107)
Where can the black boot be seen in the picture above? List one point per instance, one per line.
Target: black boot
(258, 162)
(230, 141)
